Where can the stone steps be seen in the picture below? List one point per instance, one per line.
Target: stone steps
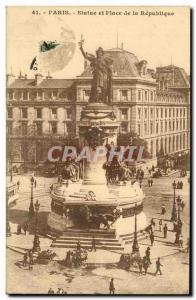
(128, 238)
(104, 239)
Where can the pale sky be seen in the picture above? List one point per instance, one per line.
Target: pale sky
(157, 39)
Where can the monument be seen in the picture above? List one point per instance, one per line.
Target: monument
(104, 204)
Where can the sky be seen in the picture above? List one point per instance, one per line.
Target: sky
(158, 39)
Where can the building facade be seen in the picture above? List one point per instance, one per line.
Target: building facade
(42, 112)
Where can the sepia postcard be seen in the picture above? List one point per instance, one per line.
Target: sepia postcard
(98, 103)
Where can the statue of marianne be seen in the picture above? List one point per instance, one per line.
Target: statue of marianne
(101, 88)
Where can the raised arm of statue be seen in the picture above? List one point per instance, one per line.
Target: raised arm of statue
(86, 55)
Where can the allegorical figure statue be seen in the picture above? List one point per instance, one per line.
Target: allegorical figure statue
(101, 89)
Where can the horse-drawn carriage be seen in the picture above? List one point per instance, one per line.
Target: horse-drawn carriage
(75, 258)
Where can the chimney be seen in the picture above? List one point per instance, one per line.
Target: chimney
(48, 76)
(122, 46)
(9, 79)
(38, 79)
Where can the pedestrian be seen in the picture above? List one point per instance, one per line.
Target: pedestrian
(182, 205)
(151, 182)
(18, 184)
(93, 247)
(78, 246)
(181, 241)
(158, 266)
(30, 263)
(31, 257)
(25, 227)
(165, 229)
(140, 265)
(187, 245)
(111, 287)
(148, 255)
(160, 225)
(145, 265)
(19, 229)
(50, 291)
(25, 259)
(163, 210)
(35, 183)
(152, 238)
(59, 291)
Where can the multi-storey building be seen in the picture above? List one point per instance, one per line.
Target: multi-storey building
(44, 111)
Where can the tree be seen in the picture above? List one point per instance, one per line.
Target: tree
(133, 139)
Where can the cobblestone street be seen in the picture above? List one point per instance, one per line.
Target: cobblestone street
(95, 277)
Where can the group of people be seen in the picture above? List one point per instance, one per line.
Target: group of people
(146, 262)
(59, 291)
(150, 182)
(183, 173)
(179, 185)
(28, 259)
(23, 227)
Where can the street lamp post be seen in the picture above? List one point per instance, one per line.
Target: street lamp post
(179, 226)
(31, 206)
(174, 211)
(135, 247)
(36, 242)
(140, 181)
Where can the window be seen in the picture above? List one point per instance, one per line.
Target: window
(157, 127)
(10, 95)
(177, 125)
(9, 113)
(139, 129)
(39, 113)
(124, 114)
(146, 95)
(157, 112)
(173, 125)
(170, 112)
(53, 113)
(166, 126)
(39, 128)
(145, 113)
(139, 113)
(166, 113)
(161, 112)
(24, 113)
(9, 128)
(161, 126)
(54, 95)
(181, 112)
(151, 128)
(139, 95)
(124, 94)
(25, 95)
(151, 112)
(183, 124)
(69, 115)
(184, 112)
(145, 129)
(177, 112)
(174, 112)
(151, 96)
(86, 95)
(39, 95)
(24, 129)
(124, 128)
(54, 128)
(170, 126)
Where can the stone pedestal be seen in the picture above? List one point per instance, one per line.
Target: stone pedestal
(98, 125)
